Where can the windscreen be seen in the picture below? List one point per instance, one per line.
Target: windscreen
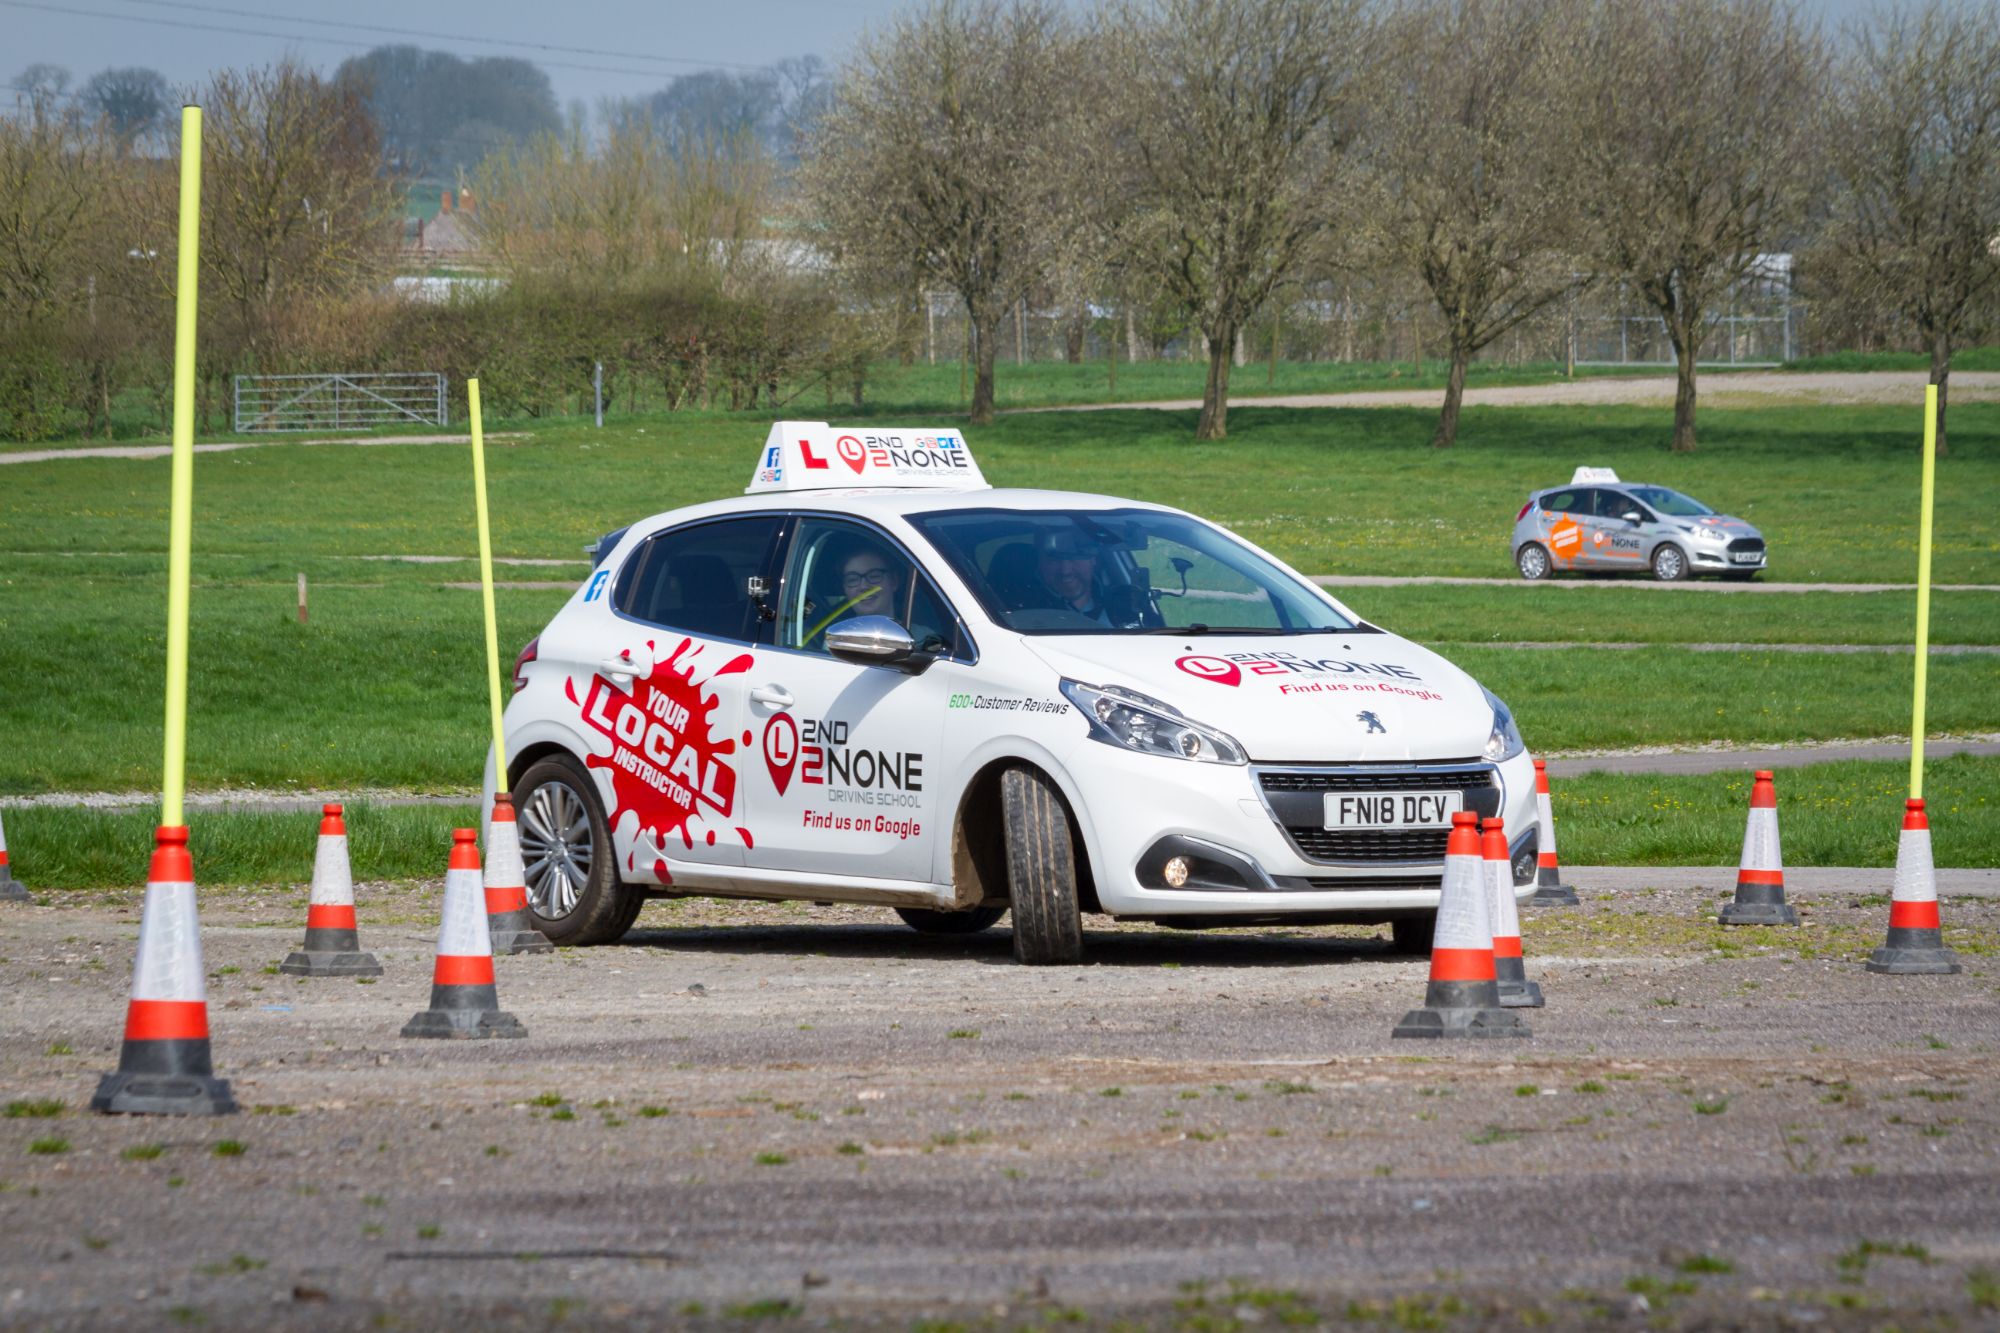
(1671, 502)
(1121, 571)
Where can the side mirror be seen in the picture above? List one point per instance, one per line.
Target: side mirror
(1634, 517)
(876, 641)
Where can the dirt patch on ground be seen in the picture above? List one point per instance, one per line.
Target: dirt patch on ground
(789, 1112)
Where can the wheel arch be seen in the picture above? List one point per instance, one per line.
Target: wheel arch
(978, 849)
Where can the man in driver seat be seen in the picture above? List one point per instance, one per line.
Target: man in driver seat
(1066, 560)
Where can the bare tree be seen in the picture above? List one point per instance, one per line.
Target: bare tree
(941, 161)
(1477, 149)
(1915, 148)
(1699, 132)
(134, 100)
(1240, 119)
(296, 204)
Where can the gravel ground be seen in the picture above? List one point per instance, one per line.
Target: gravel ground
(786, 1113)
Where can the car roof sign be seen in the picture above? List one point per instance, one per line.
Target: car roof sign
(1585, 475)
(813, 456)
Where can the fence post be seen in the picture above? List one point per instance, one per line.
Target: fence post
(597, 385)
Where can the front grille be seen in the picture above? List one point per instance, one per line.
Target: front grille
(1747, 544)
(1297, 800)
(1374, 883)
(1323, 844)
(1369, 779)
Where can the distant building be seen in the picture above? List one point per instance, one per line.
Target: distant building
(449, 238)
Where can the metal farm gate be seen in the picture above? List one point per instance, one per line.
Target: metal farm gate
(337, 402)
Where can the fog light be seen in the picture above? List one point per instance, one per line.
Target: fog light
(1175, 872)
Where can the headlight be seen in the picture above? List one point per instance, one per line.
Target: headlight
(1505, 742)
(1135, 721)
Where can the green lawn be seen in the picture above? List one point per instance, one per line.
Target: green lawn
(1539, 612)
(384, 687)
(1841, 814)
(55, 849)
(1360, 491)
(1845, 814)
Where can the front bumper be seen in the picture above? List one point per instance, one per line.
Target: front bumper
(1136, 811)
(1746, 554)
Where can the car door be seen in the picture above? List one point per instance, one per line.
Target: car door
(1616, 542)
(844, 777)
(1563, 516)
(663, 704)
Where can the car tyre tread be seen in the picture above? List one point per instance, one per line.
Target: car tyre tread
(1041, 870)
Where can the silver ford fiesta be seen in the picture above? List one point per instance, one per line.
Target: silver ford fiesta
(1598, 522)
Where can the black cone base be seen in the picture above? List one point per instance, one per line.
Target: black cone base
(510, 941)
(1758, 914)
(1554, 895)
(312, 963)
(1520, 995)
(464, 1024)
(1896, 962)
(127, 1093)
(1468, 1023)
(13, 890)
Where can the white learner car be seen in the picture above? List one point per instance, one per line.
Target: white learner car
(875, 679)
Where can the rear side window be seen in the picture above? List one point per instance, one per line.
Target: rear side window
(1567, 502)
(696, 579)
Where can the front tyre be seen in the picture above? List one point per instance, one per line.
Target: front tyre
(1412, 935)
(1670, 563)
(1041, 870)
(574, 893)
(927, 922)
(1533, 561)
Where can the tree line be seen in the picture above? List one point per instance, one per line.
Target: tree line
(1506, 154)
(1194, 164)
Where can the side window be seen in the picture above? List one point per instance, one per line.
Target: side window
(837, 571)
(696, 579)
(1567, 502)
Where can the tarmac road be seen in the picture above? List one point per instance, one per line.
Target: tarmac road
(853, 1124)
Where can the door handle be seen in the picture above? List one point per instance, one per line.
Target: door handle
(776, 696)
(615, 667)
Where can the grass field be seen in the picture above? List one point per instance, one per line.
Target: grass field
(1840, 814)
(384, 687)
(1833, 488)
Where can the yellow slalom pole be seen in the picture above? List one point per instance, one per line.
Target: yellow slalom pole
(180, 522)
(486, 586)
(1924, 593)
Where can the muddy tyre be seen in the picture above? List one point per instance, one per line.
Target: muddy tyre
(927, 922)
(574, 893)
(1041, 870)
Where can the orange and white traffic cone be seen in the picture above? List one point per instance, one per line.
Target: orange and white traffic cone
(11, 890)
(164, 1067)
(463, 1000)
(1916, 941)
(1462, 998)
(507, 919)
(1550, 891)
(332, 948)
(1516, 991)
(1760, 876)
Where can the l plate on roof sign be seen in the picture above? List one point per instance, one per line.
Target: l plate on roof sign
(1585, 475)
(813, 456)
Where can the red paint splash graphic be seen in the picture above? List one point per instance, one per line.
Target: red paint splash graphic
(669, 768)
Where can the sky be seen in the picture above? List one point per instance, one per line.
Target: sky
(623, 47)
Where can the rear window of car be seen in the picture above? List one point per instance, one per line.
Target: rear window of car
(696, 579)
